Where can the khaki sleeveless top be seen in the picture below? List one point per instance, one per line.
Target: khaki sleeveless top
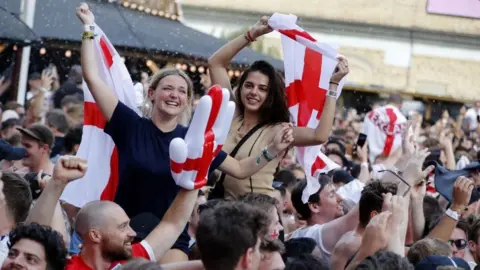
(261, 182)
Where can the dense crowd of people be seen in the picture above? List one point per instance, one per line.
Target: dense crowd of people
(405, 196)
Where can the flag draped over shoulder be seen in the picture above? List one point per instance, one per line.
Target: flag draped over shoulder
(101, 180)
(384, 127)
(308, 67)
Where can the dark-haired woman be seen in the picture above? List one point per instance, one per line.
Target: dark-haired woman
(260, 98)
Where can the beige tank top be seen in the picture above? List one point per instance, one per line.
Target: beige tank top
(261, 182)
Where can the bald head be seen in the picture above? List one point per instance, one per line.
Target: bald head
(94, 215)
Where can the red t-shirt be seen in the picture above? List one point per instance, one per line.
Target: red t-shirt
(139, 250)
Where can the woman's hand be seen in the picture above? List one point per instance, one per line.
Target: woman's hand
(85, 15)
(260, 28)
(282, 139)
(341, 70)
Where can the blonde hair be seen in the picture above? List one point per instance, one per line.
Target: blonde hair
(155, 79)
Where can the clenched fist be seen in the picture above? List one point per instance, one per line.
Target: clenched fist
(85, 15)
(69, 168)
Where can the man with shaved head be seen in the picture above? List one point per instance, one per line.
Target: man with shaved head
(105, 227)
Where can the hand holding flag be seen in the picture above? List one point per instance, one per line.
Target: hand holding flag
(313, 71)
(190, 158)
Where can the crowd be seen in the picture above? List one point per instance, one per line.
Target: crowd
(405, 196)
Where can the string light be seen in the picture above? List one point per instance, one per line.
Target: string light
(193, 68)
(133, 6)
(42, 51)
(184, 67)
(230, 73)
(167, 15)
(174, 17)
(68, 53)
(237, 73)
(126, 4)
(148, 10)
(15, 47)
(149, 63)
(178, 66)
(154, 12)
(161, 13)
(141, 8)
(201, 69)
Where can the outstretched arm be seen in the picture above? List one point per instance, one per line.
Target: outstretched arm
(103, 95)
(162, 238)
(220, 60)
(304, 136)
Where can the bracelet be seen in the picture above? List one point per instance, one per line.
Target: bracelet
(332, 93)
(89, 28)
(249, 35)
(333, 83)
(246, 37)
(267, 155)
(88, 35)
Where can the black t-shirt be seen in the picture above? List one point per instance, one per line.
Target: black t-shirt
(145, 180)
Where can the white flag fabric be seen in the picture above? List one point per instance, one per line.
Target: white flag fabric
(308, 67)
(384, 127)
(101, 180)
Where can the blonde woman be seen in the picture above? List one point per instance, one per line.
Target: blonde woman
(145, 180)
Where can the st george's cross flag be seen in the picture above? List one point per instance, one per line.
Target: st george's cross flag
(309, 65)
(101, 179)
(384, 127)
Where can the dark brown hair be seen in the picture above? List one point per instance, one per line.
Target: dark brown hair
(17, 196)
(227, 231)
(274, 109)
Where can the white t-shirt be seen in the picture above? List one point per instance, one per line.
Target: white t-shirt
(4, 240)
(471, 116)
(314, 232)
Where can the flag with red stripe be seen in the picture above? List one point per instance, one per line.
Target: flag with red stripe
(101, 180)
(308, 67)
(384, 127)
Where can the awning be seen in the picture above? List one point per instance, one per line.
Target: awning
(56, 20)
(14, 30)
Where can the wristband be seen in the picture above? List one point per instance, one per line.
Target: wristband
(452, 214)
(88, 35)
(267, 155)
(89, 28)
(332, 93)
(364, 164)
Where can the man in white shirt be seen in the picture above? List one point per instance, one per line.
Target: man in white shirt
(326, 222)
(471, 117)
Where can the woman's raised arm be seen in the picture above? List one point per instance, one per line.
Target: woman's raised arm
(220, 60)
(103, 95)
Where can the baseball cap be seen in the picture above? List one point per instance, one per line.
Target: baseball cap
(40, 133)
(434, 261)
(35, 76)
(9, 114)
(9, 152)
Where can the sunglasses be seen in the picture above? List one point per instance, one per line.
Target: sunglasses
(459, 243)
(400, 178)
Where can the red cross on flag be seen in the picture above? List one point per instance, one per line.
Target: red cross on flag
(308, 67)
(101, 180)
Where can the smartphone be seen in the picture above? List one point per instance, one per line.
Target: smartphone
(362, 138)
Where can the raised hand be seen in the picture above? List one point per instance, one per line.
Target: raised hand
(260, 28)
(408, 141)
(190, 158)
(69, 168)
(47, 80)
(341, 70)
(85, 15)
(462, 191)
(413, 172)
(377, 233)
